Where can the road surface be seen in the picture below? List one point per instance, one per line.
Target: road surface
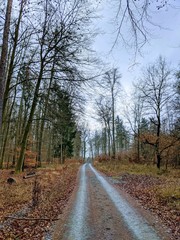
(99, 211)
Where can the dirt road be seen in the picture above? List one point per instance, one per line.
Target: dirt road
(99, 211)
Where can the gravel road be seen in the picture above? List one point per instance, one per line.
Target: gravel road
(99, 211)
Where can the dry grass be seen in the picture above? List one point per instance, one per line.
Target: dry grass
(167, 192)
(116, 168)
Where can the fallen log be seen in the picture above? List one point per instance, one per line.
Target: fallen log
(30, 175)
(11, 180)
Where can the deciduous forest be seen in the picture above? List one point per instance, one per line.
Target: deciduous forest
(46, 62)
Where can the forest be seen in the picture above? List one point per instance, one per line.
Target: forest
(44, 55)
(48, 70)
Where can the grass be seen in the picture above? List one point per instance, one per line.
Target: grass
(168, 191)
(117, 168)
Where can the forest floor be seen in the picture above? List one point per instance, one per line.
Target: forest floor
(29, 206)
(157, 191)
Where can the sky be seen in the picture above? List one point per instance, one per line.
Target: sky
(164, 39)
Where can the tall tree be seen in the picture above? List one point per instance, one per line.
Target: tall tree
(4, 53)
(134, 114)
(122, 137)
(6, 112)
(104, 112)
(112, 84)
(156, 92)
(60, 32)
(136, 16)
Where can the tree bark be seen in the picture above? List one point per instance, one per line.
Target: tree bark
(29, 121)
(44, 115)
(11, 65)
(4, 55)
(3, 63)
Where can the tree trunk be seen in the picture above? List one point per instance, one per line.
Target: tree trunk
(29, 121)
(4, 55)
(109, 139)
(113, 126)
(61, 149)
(84, 148)
(138, 143)
(6, 132)
(158, 155)
(11, 65)
(158, 161)
(44, 115)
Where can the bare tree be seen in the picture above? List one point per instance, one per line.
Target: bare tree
(104, 112)
(111, 83)
(4, 53)
(156, 93)
(134, 114)
(7, 111)
(60, 34)
(134, 16)
(84, 139)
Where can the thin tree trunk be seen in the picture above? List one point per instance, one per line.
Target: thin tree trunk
(138, 144)
(6, 132)
(158, 155)
(29, 121)
(109, 139)
(113, 127)
(4, 53)
(11, 65)
(44, 115)
(61, 150)
(84, 152)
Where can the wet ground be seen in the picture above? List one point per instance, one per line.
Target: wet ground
(99, 211)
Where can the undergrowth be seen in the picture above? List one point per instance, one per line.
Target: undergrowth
(167, 192)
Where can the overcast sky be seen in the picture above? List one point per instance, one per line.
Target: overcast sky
(164, 40)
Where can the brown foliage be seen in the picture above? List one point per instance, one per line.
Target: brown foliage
(156, 190)
(147, 190)
(102, 158)
(48, 194)
(169, 146)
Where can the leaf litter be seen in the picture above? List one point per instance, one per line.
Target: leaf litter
(36, 206)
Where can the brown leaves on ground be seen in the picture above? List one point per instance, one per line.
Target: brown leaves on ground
(51, 190)
(148, 190)
(157, 191)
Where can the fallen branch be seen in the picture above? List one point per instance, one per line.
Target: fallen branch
(33, 219)
(30, 175)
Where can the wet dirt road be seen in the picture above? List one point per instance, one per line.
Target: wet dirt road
(99, 211)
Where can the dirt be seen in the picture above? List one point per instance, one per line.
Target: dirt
(105, 220)
(102, 219)
(56, 186)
